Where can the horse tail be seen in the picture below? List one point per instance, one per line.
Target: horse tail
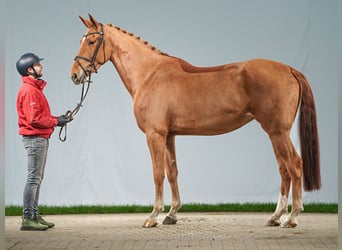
(308, 133)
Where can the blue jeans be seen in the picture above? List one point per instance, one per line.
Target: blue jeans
(36, 148)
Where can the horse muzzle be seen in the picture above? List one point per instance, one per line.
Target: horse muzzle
(78, 79)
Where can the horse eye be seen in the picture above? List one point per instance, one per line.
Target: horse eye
(91, 42)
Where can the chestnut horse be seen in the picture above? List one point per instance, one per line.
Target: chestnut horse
(171, 97)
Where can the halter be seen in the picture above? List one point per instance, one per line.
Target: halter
(70, 114)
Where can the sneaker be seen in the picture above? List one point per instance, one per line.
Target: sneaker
(44, 222)
(32, 225)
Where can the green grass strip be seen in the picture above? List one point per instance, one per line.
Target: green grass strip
(193, 207)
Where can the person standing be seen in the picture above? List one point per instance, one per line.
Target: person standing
(36, 124)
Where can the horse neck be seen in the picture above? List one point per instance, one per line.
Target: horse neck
(133, 59)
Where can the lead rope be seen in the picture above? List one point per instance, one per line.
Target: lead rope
(70, 114)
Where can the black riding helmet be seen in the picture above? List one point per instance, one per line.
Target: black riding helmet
(25, 61)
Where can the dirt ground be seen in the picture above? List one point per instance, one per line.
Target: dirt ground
(192, 231)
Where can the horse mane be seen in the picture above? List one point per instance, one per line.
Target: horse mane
(187, 67)
(139, 39)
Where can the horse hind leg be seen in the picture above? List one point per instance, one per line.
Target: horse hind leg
(290, 168)
(172, 174)
(283, 198)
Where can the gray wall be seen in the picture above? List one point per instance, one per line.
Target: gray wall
(105, 159)
(2, 129)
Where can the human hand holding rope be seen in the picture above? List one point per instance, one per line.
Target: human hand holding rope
(64, 119)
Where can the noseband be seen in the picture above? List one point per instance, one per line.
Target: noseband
(92, 60)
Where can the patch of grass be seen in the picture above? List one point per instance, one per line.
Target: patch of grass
(256, 207)
(82, 209)
(192, 207)
(321, 208)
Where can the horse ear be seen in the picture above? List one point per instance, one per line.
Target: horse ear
(86, 22)
(93, 21)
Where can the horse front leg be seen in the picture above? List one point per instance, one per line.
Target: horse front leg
(156, 144)
(172, 174)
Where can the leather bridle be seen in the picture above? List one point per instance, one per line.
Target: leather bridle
(93, 58)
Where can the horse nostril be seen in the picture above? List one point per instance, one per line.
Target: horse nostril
(74, 78)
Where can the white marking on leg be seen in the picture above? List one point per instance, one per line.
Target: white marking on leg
(158, 207)
(174, 209)
(281, 206)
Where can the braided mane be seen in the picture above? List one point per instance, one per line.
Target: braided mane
(138, 38)
(187, 67)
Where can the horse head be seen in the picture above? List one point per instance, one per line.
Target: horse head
(91, 54)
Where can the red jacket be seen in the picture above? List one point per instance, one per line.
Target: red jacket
(34, 116)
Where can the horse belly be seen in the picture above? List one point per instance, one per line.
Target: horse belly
(214, 125)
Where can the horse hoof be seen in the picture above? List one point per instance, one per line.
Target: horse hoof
(169, 220)
(273, 223)
(150, 223)
(289, 223)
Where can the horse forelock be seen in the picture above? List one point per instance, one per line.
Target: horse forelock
(138, 38)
